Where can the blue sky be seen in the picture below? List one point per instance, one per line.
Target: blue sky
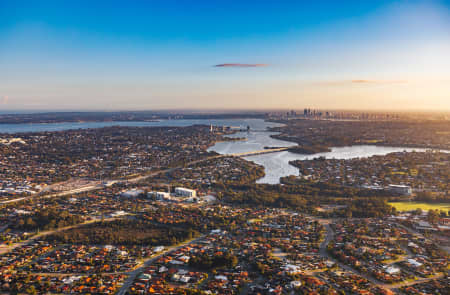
(161, 54)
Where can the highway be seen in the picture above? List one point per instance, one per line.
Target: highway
(100, 185)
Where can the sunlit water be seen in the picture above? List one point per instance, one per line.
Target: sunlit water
(277, 165)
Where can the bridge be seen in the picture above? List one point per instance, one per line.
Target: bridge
(260, 152)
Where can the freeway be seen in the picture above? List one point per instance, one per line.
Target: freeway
(59, 194)
(97, 185)
(100, 185)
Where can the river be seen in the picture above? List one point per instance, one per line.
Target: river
(276, 165)
(255, 124)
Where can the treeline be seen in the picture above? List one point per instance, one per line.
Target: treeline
(123, 232)
(208, 262)
(47, 219)
(309, 149)
(194, 218)
(363, 208)
(293, 185)
(306, 198)
(432, 198)
(268, 199)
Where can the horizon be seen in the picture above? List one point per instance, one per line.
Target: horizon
(225, 111)
(224, 147)
(203, 56)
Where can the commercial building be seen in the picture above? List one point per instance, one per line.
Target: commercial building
(404, 190)
(132, 193)
(185, 192)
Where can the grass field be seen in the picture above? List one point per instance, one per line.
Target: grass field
(408, 206)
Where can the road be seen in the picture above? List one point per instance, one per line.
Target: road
(412, 231)
(418, 281)
(136, 179)
(133, 274)
(60, 194)
(324, 253)
(100, 185)
(330, 236)
(260, 152)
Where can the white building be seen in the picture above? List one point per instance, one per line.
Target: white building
(404, 190)
(185, 192)
(158, 249)
(160, 196)
(132, 193)
(163, 196)
(391, 269)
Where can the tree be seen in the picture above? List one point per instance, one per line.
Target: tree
(433, 216)
(31, 290)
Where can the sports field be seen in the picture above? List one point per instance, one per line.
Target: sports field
(409, 206)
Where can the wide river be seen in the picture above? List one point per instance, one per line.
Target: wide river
(40, 127)
(276, 165)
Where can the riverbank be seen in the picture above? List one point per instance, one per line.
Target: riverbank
(309, 150)
(406, 133)
(254, 124)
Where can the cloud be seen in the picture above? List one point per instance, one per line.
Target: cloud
(359, 82)
(239, 65)
(363, 81)
(4, 99)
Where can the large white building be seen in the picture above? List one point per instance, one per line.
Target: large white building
(163, 196)
(185, 192)
(160, 196)
(133, 193)
(404, 190)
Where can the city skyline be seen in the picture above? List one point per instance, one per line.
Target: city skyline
(225, 56)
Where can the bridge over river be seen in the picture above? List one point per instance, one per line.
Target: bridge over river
(260, 152)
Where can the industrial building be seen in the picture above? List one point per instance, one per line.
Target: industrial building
(185, 192)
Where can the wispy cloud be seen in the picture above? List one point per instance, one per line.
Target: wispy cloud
(364, 81)
(359, 82)
(239, 65)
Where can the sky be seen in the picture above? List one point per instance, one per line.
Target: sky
(215, 55)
